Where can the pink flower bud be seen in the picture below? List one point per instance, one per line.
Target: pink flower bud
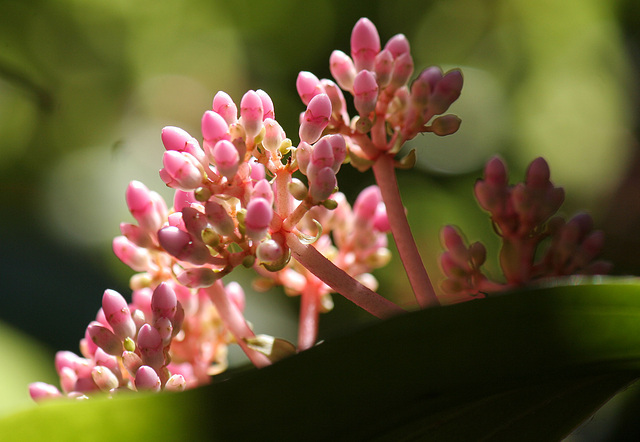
(183, 246)
(135, 234)
(446, 91)
(224, 106)
(538, 174)
(365, 90)
(68, 359)
(397, 45)
(262, 189)
(303, 156)
(117, 314)
(446, 125)
(135, 257)
(147, 379)
(176, 383)
(41, 391)
(251, 113)
(383, 67)
(322, 183)
(402, 70)
(315, 118)
(258, 218)
(68, 379)
(145, 207)
(104, 378)
(342, 69)
(308, 86)
(219, 218)
(183, 199)
(105, 339)
(453, 242)
(338, 103)
(366, 203)
(235, 293)
(365, 44)
(380, 219)
(150, 346)
(194, 221)
(214, 128)
(267, 105)
(165, 329)
(257, 170)
(131, 362)
(163, 302)
(182, 171)
(339, 148)
(226, 158)
(274, 135)
(322, 154)
(269, 251)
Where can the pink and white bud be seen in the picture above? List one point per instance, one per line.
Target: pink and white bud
(251, 113)
(342, 69)
(165, 329)
(445, 92)
(224, 106)
(339, 148)
(274, 135)
(176, 383)
(381, 219)
(258, 218)
(308, 86)
(322, 182)
(269, 251)
(144, 206)
(104, 378)
(365, 92)
(135, 234)
(214, 128)
(303, 156)
(194, 220)
(117, 314)
(197, 277)
(179, 140)
(131, 361)
(365, 44)
(150, 346)
(182, 199)
(147, 379)
(137, 258)
(262, 189)
(322, 154)
(226, 158)
(267, 105)
(182, 171)
(338, 103)
(105, 339)
(164, 302)
(446, 125)
(383, 67)
(183, 246)
(219, 218)
(257, 172)
(235, 293)
(366, 203)
(40, 391)
(315, 118)
(398, 45)
(68, 379)
(402, 70)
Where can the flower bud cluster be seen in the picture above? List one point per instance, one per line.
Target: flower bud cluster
(522, 215)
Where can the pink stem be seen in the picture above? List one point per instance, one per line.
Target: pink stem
(385, 174)
(235, 322)
(339, 280)
(309, 315)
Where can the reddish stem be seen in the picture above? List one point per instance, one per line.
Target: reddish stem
(309, 315)
(384, 170)
(339, 280)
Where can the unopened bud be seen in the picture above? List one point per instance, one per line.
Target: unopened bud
(251, 113)
(225, 107)
(315, 118)
(342, 69)
(365, 44)
(446, 125)
(308, 86)
(365, 90)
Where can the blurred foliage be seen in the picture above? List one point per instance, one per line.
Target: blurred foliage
(86, 86)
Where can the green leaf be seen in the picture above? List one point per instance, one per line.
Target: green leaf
(528, 365)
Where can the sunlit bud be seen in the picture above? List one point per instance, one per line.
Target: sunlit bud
(135, 234)
(315, 118)
(402, 70)
(366, 203)
(257, 170)
(445, 92)
(267, 105)
(365, 90)
(105, 339)
(182, 171)
(182, 245)
(135, 257)
(303, 156)
(383, 66)
(214, 128)
(183, 199)
(79, 365)
(226, 158)
(258, 218)
(147, 379)
(197, 277)
(273, 136)
(104, 378)
(68, 379)
(322, 183)
(338, 103)
(163, 302)
(339, 148)
(365, 44)
(176, 383)
(380, 219)
(262, 189)
(117, 314)
(269, 251)
(165, 329)
(235, 293)
(446, 125)
(342, 69)
(143, 206)
(225, 107)
(297, 189)
(131, 362)
(150, 346)
(397, 45)
(41, 391)
(322, 154)
(308, 86)
(251, 113)
(219, 218)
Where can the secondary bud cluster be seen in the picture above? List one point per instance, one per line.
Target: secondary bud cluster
(523, 215)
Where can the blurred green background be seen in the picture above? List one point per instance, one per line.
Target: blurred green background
(86, 87)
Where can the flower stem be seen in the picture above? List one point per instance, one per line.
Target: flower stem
(339, 280)
(384, 170)
(309, 315)
(235, 322)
